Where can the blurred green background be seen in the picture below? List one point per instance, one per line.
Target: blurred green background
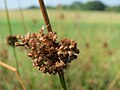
(97, 34)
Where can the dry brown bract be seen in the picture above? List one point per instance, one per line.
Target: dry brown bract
(11, 40)
(47, 54)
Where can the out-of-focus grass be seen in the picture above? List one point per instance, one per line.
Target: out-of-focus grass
(96, 65)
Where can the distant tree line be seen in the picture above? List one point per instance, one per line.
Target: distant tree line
(90, 5)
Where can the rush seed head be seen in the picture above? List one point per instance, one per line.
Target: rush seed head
(49, 55)
(11, 40)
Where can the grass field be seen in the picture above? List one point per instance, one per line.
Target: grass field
(97, 34)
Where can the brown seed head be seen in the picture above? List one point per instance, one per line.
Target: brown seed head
(47, 54)
(11, 40)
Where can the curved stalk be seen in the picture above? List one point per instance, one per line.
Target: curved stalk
(10, 31)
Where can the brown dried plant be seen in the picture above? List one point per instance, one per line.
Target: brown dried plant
(15, 71)
(11, 40)
(49, 55)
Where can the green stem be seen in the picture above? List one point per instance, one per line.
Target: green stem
(62, 80)
(16, 59)
(7, 14)
(10, 30)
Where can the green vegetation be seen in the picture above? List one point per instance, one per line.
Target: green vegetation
(95, 5)
(91, 5)
(88, 6)
(113, 9)
(97, 34)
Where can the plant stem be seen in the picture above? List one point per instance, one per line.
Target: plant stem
(10, 30)
(49, 28)
(114, 81)
(62, 80)
(16, 72)
(15, 55)
(45, 15)
(7, 14)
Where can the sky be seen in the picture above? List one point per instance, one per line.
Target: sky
(13, 4)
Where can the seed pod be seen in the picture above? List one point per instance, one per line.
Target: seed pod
(33, 44)
(39, 59)
(18, 36)
(71, 46)
(17, 44)
(61, 47)
(11, 40)
(41, 38)
(76, 51)
(70, 53)
(62, 63)
(57, 64)
(28, 36)
(55, 37)
(59, 53)
(34, 35)
(29, 54)
(75, 56)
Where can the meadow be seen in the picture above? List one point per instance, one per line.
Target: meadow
(97, 35)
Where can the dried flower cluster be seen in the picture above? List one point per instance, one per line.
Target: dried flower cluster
(47, 54)
(11, 40)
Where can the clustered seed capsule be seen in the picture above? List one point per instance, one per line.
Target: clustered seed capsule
(47, 54)
(11, 40)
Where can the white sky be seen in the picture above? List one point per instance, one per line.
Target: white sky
(13, 4)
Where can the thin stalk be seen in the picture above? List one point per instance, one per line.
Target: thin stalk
(49, 28)
(16, 59)
(16, 72)
(114, 81)
(62, 80)
(8, 19)
(2, 44)
(22, 17)
(10, 31)
(45, 15)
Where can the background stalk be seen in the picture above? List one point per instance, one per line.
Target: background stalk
(49, 28)
(10, 31)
